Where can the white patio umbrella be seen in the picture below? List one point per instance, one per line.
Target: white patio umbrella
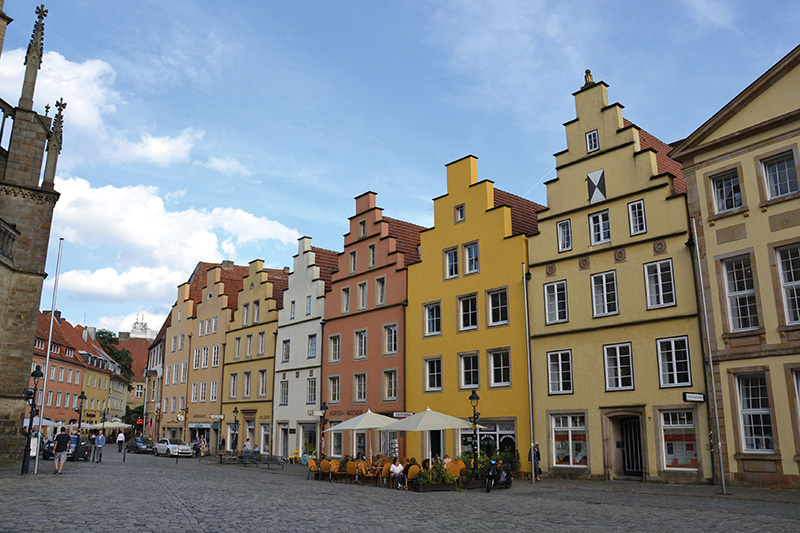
(368, 420)
(45, 422)
(116, 425)
(429, 420)
(85, 425)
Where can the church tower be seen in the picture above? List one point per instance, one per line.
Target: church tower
(27, 200)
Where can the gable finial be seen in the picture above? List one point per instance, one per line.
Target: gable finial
(33, 60)
(587, 78)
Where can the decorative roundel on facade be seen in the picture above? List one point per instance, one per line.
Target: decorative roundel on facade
(583, 263)
(619, 255)
(659, 247)
(551, 270)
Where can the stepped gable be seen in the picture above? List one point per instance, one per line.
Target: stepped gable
(233, 278)
(139, 349)
(280, 282)
(407, 236)
(197, 281)
(666, 165)
(524, 218)
(328, 263)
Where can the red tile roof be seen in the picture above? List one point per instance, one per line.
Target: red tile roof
(139, 349)
(665, 163)
(280, 282)
(43, 331)
(407, 236)
(233, 278)
(197, 280)
(328, 263)
(523, 212)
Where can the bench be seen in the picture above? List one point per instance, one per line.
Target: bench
(249, 458)
(272, 460)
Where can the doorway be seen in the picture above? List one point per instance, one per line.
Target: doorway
(631, 446)
(283, 435)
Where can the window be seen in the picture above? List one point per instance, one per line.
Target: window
(203, 390)
(311, 391)
(433, 374)
(604, 294)
(139, 391)
(660, 284)
(564, 232)
(727, 194)
(362, 228)
(560, 371)
(679, 439)
(212, 396)
(501, 368)
(234, 385)
(194, 392)
(245, 314)
(175, 373)
(555, 299)
(619, 367)
(196, 363)
(61, 373)
(308, 305)
(789, 260)
(673, 362)
(498, 307)
(283, 399)
(346, 300)
(361, 344)
(180, 341)
(174, 404)
(470, 373)
(390, 339)
(262, 382)
(52, 372)
(285, 351)
(570, 447)
(390, 385)
(781, 175)
(471, 258)
(459, 213)
(262, 341)
(201, 328)
(215, 356)
(380, 291)
(451, 263)
(256, 312)
(248, 350)
(592, 141)
(77, 377)
(335, 348)
(600, 227)
(362, 295)
(179, 318)
(636, 217)
(291, 310)
(741, 293)
(312, 346)
(247, 383)
(433, 319)
(371, 256)
(58, 399)
(353, 262)
(468, 311)
(333, 389)
(237, 347)
(174, 342)
(756, 422)
(215, 324)
(50, 398)
(360, 390)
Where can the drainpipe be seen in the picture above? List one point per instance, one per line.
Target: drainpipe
(525, 277)
(709, 362)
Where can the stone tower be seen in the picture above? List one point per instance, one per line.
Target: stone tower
(27, 200)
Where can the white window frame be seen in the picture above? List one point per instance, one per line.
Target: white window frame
(678, 421)
(674, 362)
(600, 227)
(203, 391)
(751, 409)
(740, 293)
(353, 261)
(605, 297)
(433, 374)
(212, 395)
(245, 315)
(789, 269)
(592, 141)
(727, 191)
(263, 384)
(335, 348)
(469, 368)
(196, 359)
(256, 312)
(564, 234)
(451, 263)
(360, 387)
(471, 259)
(390, 385)
(500, 363)
(660, 284)
(215, 356)
(234, 385)
(201, 328)
(215, 324)
(194, 392)
(308, 305)
(292, 307)
(459, 213)
(334, 389)
(498, 307)
(237, 347)
(618, 366)
(286, 350)
(783, 180)
(311, 391)
(390, 339)
(371, 256)
(362, 295)
(360, 346)
(380, 291)
(556, 305)
(248, 345)
(433, 318)
(466, 312)
(312, 346)
(559, 372)
(262, 342)
(362, 229)
(283, 397)
(636, 218)
(572, 425)
(345, 300)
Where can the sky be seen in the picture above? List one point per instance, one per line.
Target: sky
(202, 131)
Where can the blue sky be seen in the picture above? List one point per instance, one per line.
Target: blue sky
(225, 130)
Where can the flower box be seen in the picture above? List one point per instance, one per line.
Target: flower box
(433, 487)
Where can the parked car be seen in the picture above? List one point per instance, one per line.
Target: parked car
(83, 454)
(170, 447)
(140, 445)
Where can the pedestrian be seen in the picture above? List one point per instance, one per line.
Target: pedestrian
(120, 441)
(61, 450)
(99, 442)
(203, 445)
(196, 447)
(221, 447)
(537, 457)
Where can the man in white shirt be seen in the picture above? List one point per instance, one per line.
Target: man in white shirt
(99, 442)
(120, 441)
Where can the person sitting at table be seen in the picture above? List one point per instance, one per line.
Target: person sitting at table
(255, 448)
(446, 459)
(426, 464)
(411, 462)
(396, 470)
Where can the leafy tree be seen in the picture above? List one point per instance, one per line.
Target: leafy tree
(110, 344)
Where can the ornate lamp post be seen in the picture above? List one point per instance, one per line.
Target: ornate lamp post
(30, 396)
(235, 439)
(324, 410)
(474, 399)
(79, 410)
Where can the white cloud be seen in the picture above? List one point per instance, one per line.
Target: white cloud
(109, 284)
(227, 166)
(163, 151)
(713, 13)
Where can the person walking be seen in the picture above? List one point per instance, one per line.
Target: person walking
(61, 450)
(120, 441)
(99, 442)
(537, 457)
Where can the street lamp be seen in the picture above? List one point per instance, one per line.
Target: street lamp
(323, 409)
(235, 439)
(82, 399)
(474, 399)
(30, 396)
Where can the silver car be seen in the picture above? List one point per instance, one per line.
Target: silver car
(171, 447)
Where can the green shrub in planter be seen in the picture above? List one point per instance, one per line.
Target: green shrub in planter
(436, 475)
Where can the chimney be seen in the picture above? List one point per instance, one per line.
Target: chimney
(92, 332)
(227, 264)
(286, 270)
(124, 335)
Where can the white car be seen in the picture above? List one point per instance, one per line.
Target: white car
(171, 447)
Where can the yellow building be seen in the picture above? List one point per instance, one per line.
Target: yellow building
(249, 358)
(465, 328)
(741, 171)
(615, 335)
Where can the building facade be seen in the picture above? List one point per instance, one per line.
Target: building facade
(741, 169)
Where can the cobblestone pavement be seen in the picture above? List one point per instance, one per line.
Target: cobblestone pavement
(147, 493)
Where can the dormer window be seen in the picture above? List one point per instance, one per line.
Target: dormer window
(592, 141)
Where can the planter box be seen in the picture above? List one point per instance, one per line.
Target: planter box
(474, 484)
(433, 487)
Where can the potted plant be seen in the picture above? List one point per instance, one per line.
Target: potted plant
(435, 479)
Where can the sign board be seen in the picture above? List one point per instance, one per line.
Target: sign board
(402, 414)
(139, 421)
(216, 417)
(694, 397)
(315, 412)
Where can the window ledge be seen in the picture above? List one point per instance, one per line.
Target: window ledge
(772, 201)
(789, 327)
(757, 456)
(732, 212)
(745, 333)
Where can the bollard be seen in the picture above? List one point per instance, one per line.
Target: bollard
(124, 453)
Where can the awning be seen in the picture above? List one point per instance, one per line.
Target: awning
(200, 425)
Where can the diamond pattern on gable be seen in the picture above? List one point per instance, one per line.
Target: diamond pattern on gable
(597, 186)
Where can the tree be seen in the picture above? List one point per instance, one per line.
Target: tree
(110, 344)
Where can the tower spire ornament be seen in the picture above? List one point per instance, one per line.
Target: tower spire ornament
(33, 59)
(54, 140)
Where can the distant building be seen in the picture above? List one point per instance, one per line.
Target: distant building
(137, 341)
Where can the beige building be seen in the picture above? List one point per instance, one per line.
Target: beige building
(741, 170)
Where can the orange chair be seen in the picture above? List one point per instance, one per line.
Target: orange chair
(386, 475)
(368, 475)
(352, 472)
(453, 468)
(335, 473)
(413, 472)
(325, 470)
(312, 469)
